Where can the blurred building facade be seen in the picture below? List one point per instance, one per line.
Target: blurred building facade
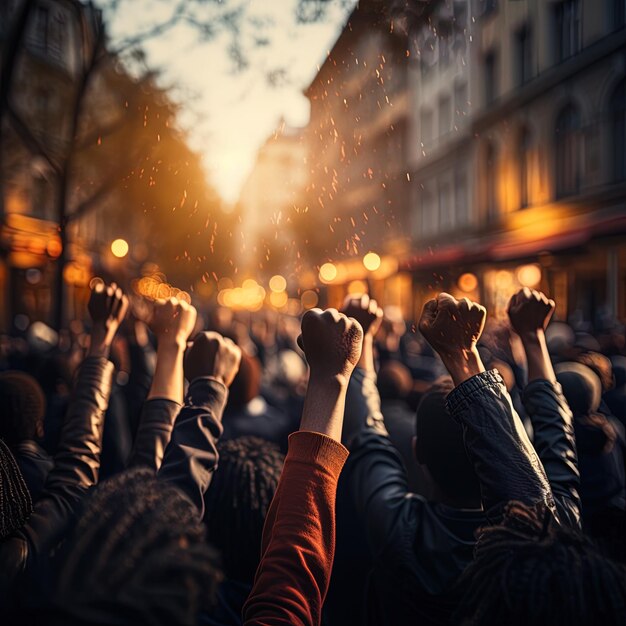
(509, 121)
(543, 137)
(358, 139)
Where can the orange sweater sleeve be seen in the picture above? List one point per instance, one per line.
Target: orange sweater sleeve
(299, 536)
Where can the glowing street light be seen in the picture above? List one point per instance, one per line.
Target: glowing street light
(278, 284)
(119, 248)
(371, 261)
(328, 272)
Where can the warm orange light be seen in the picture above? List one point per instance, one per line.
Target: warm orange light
(357, 287)
(528, 275)
(371, 261)
(278, 299)
(119, 248)
(309, 299)
(278, 284)
(328, 272)
(504, 279)
(467, 282)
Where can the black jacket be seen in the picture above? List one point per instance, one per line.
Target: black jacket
(76, 467)
(419, 548)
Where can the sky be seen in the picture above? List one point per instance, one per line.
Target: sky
(228, 112)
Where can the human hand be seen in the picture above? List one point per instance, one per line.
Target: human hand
(452, 327)
(107, 308)
(172, 322)
(365, 311)
(530, 312)
(212, 355)
(331, 343)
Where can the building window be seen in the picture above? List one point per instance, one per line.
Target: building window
(426, 127)
(568, 151)
(491, 181)
(461, 208)
(618, 131)
(445, 115)
(618, 14)
(524, 161)
(523, 55)
(567, 28)
(446, 217)
(460, 101)
(490, 77)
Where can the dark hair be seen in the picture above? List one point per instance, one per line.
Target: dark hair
(394, 380)
(15, 502)
(246, 384)
(136, 555)
(531, 570)
(23, 407)
(440, 446)
(581, 387)
(238, 499)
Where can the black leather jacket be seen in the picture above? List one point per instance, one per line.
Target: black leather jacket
(419, 548)
(76, 467)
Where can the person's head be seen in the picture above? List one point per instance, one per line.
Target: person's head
(15, 502)
(601, 365)
(23, 407)
(531, 570)
(394, 381)
(239, 497)
(581, 387)
(440, 448)
(247, 383)
(136, 556)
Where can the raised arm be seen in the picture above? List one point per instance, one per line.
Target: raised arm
(505, 461)
(530, 312)
(172, 322)
(77, 461)
(299, 533)
(191, 456)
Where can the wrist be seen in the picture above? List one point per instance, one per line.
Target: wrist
(463, 365)
(99, 345)
(532, 337)
(171, 343)
(329, 382)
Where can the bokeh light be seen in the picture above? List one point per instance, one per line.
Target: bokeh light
(528, 275)
(328, 272)
(309, 299)
(119, 248)
(467, 282)
(278, 283)
(371, 261)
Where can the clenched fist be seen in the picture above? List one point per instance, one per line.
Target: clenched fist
(107, 307)
(212, 355)
(365, 311)
(172, 321)
(530, 311)
(331, 343)
(452, 327)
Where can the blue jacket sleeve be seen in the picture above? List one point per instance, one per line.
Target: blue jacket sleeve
(505, 461)
(191, 455)
(553, 427)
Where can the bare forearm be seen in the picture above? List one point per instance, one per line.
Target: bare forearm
(168, 375)
(537, 356)
(463, 365)
(366, 361)
(324, 407)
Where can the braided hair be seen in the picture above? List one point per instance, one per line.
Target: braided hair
(238, 499)
(531, 570)
(15, 502)
(136, 555)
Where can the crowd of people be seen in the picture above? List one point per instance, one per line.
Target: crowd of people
(167, 467)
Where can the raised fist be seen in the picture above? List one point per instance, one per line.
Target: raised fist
(212, 355)
(331, 342)
(530, 311)
(107, 308)
(451, 326)
(172, 321)
(365, 311)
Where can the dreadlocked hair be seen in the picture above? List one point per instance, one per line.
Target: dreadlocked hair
(136, 555)
(531, 570)
(238, 499)
(15, 501)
